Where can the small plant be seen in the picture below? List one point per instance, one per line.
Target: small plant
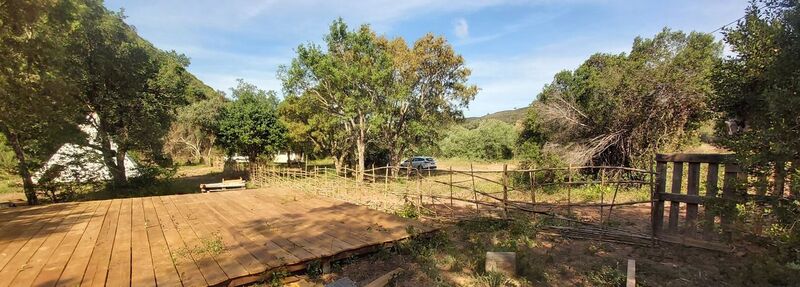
(492, 279)
(408, 210)
(606, 276)
(276, 277)
(314, 269)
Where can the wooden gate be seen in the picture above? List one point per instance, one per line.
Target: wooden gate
(683, 190)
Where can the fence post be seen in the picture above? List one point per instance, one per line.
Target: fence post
(474, 192)
(386, 180)
(602, 192)
(569, 189)
(661, 187)
(419, 192)
(451, 186)
(505, 190)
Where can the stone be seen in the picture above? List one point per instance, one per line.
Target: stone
(502, 262)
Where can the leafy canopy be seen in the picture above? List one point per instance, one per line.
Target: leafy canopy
(249, 125)
(620, 109)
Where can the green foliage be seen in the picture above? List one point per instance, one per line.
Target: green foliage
(135, 112)
(486, 140)
(378, 93)
(37, 76)
(606, 276)
(757, 90)
(8, 163)
(249, 125)
(621, 109)
(757, 98)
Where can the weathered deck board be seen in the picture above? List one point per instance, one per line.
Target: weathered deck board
(165, 240)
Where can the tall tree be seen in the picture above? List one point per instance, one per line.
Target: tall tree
(758, 90)
(429, 89)
(131, 86)
(250, 125)
(308, 127)
(381, 91)
(620, 109)
(350, 80)
(35, 80)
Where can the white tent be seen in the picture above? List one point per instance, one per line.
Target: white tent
(79, 163)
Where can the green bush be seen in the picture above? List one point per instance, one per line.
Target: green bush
(486, 140)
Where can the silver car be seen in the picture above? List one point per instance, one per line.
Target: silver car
(419, 162)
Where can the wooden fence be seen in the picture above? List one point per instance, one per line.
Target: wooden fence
(452, 192)
(703, 191)
(685, 197)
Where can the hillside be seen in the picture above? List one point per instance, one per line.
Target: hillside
(509, 116)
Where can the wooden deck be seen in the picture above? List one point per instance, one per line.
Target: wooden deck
(219, 238)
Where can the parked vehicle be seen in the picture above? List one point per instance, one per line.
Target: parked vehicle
(419, 162)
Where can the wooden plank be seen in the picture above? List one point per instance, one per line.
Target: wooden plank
(692, 188)
(213, 225)
(265, 250)
(661, 185)
(119, 269)
(42, 254)
(301, 246)
(631, 276)
(188, 269)
(225, 260)
(212, 272)
(97, 270)
(19, 257)
(729, 183)
(685, 198)
(164, 267)
(142, 269)
(712, 180)
(76, 266)
(675, 206)
(16, 238)
(252, 222)
(695, 157)
(326, 235)
(51, 272)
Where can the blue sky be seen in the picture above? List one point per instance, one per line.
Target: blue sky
(513, 47)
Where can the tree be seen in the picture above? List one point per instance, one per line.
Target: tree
(428, 91)
(131, 86)
(758, 90)
(486, 140)
(37, 111)
(381, 92)
(350, 80)
(621, 109)
(250, 125)
(193, 130)
(191, 135)
(307, 127)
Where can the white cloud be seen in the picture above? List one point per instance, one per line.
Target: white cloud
(461, 28)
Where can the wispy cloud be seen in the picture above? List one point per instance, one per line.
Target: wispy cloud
(461, 28)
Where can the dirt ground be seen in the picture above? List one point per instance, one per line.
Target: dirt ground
(455, 256)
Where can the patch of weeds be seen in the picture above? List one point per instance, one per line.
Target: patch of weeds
(314, 269)
(408, 210)
(491, 279)
(212, 245)
(606, 276)
(275, 277)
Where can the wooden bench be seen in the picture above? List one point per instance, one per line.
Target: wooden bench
(230, 184)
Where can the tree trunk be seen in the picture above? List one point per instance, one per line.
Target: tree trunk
(110, 158)
(121, 164)
(22, 166)
(361, 149)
